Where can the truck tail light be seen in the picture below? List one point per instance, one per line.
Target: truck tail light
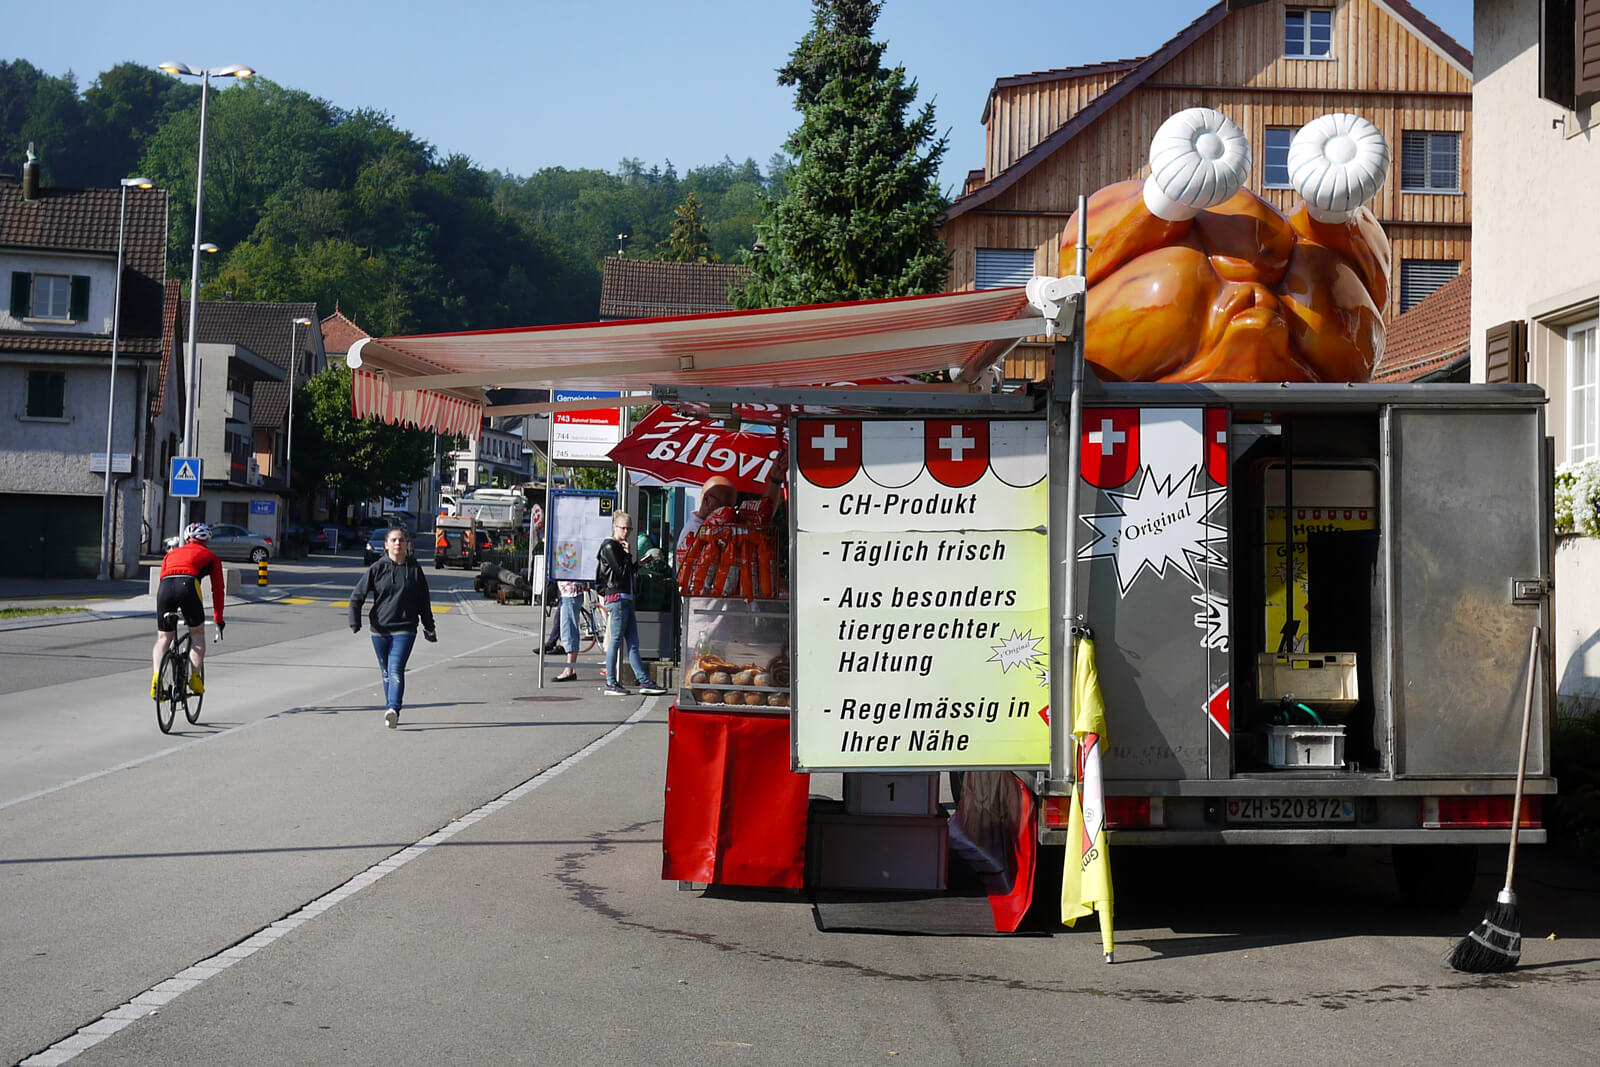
(1122, 813)
(1479, 813)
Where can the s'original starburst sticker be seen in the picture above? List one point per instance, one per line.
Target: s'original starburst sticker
(1015, 651)
(1163, 523)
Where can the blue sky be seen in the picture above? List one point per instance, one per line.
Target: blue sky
(522, 86)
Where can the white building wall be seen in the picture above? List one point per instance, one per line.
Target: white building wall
(1536, 257)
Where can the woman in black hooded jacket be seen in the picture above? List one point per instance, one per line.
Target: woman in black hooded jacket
(399, 591)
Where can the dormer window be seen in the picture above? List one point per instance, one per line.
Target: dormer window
(1308, 32)
(50, 297)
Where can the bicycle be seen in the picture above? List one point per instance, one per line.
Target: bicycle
(172, 692)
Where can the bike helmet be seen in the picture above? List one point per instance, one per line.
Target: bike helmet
(197, 531)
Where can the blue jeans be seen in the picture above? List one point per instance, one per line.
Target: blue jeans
(624, 625)
(393, 650)
(569, 623)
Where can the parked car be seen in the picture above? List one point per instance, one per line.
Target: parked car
(373, 548)
(233, 542)
(315, 536)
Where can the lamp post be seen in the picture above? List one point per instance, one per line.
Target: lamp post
(294, 372)
(111, 393)
(234, 70)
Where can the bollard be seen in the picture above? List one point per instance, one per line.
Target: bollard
(261, 573)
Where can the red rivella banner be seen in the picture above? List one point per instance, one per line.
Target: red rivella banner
(684, 450)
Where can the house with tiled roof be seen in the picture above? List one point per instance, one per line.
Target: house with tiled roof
(1433, 341)
(658, 289)
(245, 350)
(59, 253)
(1269, 65)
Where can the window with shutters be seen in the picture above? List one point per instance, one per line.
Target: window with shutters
(1308, 33)
(47, 394)
(1583, 391)
(50, 297)
(1420, 277)
(1569, 52)
(1275, 160)
(1430, 161)
(998, 268)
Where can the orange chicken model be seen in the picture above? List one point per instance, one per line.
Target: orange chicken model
(1191, 277)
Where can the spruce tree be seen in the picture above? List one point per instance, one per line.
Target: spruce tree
(860, 216)
(688, 242)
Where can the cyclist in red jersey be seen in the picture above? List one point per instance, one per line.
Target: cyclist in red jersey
(179, 591)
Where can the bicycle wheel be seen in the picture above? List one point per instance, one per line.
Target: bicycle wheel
(170, 684)
(192, 701)
(587, 634)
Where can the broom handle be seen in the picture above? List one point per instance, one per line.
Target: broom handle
(1522, 757)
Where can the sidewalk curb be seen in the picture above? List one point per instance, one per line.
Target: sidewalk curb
(145, 607)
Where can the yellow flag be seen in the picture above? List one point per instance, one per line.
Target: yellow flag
(1086, 881)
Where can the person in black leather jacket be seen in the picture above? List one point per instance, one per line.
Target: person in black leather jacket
(399, 591)
(613, 579)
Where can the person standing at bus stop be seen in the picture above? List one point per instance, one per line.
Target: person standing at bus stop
(571, 595)
(614, 584)
(399, 591)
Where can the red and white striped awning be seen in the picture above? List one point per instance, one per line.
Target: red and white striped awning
(964, 332)
(426, 409)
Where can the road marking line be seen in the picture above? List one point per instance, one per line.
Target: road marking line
(126, 764)
(153, 999)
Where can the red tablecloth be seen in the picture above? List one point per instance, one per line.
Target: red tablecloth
(735, 813)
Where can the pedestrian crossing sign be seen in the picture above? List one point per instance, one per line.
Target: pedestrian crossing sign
(185, 480)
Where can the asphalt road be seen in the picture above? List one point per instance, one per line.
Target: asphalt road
(290, 882)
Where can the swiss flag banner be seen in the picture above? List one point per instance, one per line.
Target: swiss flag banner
(1109, 449)
(828, 451)
(957, 451)
(1217, 444)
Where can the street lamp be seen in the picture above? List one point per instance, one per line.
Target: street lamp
(233, 70)
(294, 372)
(111, 393)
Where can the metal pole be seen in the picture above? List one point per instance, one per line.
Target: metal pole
(111, 393)
(1061, 725)
(194, 302)
(549, 475)
(294, 375)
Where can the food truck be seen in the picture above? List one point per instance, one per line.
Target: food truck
(1316, 602)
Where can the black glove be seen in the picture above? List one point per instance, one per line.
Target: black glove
(355, 628)
(429, 635)
(221, 626)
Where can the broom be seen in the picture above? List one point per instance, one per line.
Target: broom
(1496, 944)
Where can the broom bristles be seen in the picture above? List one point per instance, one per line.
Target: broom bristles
(1495, 945)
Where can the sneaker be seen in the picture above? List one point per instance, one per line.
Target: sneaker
(392, 717)
(651, 689)
(155, 686)
(197, 684)
(614, 691)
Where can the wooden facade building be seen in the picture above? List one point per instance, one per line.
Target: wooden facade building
(1269, 66)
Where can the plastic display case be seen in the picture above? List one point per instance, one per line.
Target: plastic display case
(735, 655)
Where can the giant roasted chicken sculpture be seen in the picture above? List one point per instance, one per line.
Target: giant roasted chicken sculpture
(1192, 277)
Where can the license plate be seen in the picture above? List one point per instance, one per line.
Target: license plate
(1290, 810)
